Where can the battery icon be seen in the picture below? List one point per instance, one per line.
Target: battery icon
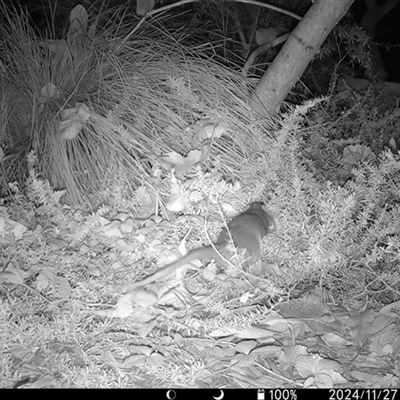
(260, 394)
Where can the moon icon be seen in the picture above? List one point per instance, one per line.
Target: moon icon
(221, 396)
(171, 394)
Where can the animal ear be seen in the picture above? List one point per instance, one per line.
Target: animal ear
(266, 217)
(256, 205)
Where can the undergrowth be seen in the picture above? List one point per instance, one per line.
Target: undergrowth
(337, 217)
(326, 229)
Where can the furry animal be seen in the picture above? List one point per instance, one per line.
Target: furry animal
(246, 230)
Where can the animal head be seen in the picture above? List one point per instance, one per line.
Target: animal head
(260, 209)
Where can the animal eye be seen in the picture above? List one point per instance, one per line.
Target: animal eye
(271, 225)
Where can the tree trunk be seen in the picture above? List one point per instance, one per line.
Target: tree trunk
(298, 51)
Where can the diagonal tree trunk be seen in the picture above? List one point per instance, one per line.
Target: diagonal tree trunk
(298, 51)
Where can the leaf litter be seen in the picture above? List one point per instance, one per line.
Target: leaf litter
(207, 326)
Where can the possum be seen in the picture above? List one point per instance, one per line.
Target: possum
(246, 230)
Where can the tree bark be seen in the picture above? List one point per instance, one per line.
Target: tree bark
(297, 52)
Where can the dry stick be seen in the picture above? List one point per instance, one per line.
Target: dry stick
(278, 9)
(182, 2)
(153, 12)
(261, 49)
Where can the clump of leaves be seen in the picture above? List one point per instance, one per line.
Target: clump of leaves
(94, 111)
(331, 227)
